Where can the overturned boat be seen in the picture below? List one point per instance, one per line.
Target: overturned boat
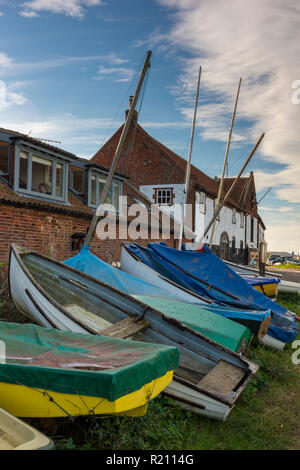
(204, 273)
(135, 261)
(210, 377)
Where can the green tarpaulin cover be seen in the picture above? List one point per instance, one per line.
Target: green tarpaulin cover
(220, 329)
(76, 363)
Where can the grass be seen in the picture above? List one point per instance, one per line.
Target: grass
(285, 266)
(267, 415)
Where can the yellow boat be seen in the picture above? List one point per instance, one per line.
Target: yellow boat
(50, 373)
(270, 290)
(266, 285)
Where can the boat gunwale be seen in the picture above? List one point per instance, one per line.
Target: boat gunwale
(164, 278)
(210, 286)
(250, 367)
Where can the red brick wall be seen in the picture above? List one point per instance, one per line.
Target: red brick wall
(50, 233)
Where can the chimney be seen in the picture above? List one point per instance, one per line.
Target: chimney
(127, 110)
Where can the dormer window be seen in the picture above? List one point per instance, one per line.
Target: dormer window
(96, 185)
(39, 175)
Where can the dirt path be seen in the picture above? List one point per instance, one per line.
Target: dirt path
(292, 275)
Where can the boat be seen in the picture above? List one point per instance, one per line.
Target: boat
(267, 285)
(205, 320)
(289, 287)
(133, 262)
(204, 273)
(49, 373)
(15, 434)
(210, 377)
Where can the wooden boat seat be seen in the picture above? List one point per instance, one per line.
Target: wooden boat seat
(125, 328)
(223, 378)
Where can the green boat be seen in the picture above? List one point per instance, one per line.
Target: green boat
(220, 329)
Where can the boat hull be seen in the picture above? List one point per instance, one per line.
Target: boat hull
(17, 435)
(198, 353)
(26, 402)
(195, 401)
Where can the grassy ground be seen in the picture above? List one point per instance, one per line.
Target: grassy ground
(286, 266)
(267, 415)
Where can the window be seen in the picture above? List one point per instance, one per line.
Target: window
(36, 174)
(252, 231)
(4, 150)
(233, 244)
(164, 196)
(242, 220)
(234, 216)
(96, 185)
(215, 204)
(201, 201)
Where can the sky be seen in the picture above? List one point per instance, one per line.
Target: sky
(67, 68)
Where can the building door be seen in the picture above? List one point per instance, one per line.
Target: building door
(224, 245)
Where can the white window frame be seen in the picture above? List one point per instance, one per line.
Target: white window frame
(242, 224)
(234, 215)
(169, 194)
(99, 175)
(214, 209)
(45, 156)
(202, 202)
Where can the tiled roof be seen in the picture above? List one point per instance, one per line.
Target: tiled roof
(199, 178)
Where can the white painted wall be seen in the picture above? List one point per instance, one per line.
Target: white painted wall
(204, 213)
(225, 224)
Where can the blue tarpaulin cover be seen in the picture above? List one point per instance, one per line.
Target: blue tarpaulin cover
(90, 264)
(207, 275)
(257, 280)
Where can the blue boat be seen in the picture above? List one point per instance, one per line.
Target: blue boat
(207, 275)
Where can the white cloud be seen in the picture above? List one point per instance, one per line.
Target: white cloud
(5, 61)
(283, 237)
(121, 74)
(28, 14)
(276, 209)
(260, 42)
(72, 8)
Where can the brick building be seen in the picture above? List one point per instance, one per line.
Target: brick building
(159, 173)
(48, 197)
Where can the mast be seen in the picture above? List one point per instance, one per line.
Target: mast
(188, 168)
(225, 165)
(119, 149)
(217, 211)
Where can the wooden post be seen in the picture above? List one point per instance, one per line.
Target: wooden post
(225, 160)
(188, 168)
(119, 149)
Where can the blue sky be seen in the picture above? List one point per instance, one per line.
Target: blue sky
(69, 67)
